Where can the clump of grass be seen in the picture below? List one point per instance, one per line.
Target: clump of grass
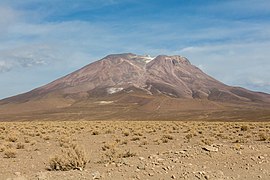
(95, 133)
(109, 131)
(12, 138)
(126, 133)
(108, 146)
(188, 136)
(26, 140)
(123, 142)
(244, 128)
(135, 138)
(64, 142)
(262, 137)
(127, 154)
(46, 138)
(33, 142)
(10, 153)
(72, 158)
(207, 141)
(145, 142)
(166, 138)
(20, 145)
(2, 148)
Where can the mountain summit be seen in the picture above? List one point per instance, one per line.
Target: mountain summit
(134, 82)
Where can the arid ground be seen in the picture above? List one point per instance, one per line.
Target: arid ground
(62, 150)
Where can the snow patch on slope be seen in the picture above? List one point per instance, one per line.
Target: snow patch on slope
(114, 90)
(148, 58)
(105, 102)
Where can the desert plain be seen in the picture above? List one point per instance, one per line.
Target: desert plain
(67, 150)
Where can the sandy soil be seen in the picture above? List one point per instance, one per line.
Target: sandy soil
(134, 150)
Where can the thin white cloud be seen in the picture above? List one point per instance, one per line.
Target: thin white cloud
(28, 56)
(4, 66)
(241, 64)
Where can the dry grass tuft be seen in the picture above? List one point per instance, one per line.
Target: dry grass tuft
(10, 153)
(166, 138)
(20, 145)
(262, 137)
(72, 158)
(12, 138)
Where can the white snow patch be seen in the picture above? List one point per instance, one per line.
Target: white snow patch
(148, 58)
(114, 90)
(105, 102)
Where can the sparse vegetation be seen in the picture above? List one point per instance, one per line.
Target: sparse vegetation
(10, 153)
(20, 145)
(262, 137)
(120, 143)
(70, 159)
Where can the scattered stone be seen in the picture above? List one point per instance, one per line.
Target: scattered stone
(153, 156)
(260, 157)
(210, 148)
(173, 177)
(239, 152)
(183, 152)
(41, 176)
(96, 175)
(160, 160)
(141, 167)
(118, 164)
(141, 158)
(17, 173)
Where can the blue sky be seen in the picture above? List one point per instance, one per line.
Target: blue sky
(44, 40)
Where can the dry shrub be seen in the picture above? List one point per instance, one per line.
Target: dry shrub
(71, 158)
(166, 138)
(188, 136)
(65, 142)
(33, 142)
(207, 141)
(127, 154)
(10, 153)
(126, 133)
(138, 133)
(2, 137)
(145, 142)
(107, 146)
(135, 139)
(109, 131)
(113, 152)
(95, 132)
(244, 128)
(12, 138)
(20, 145)
(124, 142)
(26, 140)
(262, 137)
(46, 138)
(2, 148)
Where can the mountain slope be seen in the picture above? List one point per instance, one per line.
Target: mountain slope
(137, 83)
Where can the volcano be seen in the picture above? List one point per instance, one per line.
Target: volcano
(129, 86)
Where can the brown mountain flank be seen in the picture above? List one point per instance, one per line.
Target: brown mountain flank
(129, 86)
